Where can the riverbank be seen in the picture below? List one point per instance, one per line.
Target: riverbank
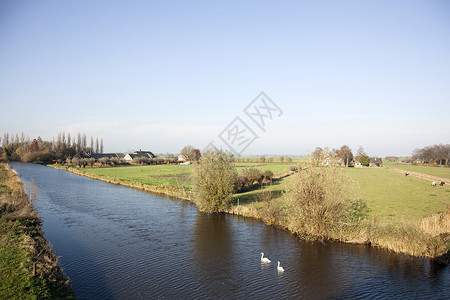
(178, 192)
(423, 235)
(29, 269)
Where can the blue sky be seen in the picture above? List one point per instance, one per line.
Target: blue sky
(159, 75)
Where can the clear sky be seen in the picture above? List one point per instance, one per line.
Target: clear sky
(159, 75)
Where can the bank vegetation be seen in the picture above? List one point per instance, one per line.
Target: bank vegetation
(322, 203)
(28, 267)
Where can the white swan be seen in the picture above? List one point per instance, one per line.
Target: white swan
(280, 269)
(264, 259)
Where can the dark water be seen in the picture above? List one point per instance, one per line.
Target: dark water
(119, 243)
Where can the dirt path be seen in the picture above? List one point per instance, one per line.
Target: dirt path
(423, 176)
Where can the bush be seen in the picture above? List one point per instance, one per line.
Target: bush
(323, 200)
(268, 174)
(213, 181)
(141, 160)
(247, 177)
(253, 175)
(293, 168)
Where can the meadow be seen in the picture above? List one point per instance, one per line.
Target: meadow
(170, 174)
(394, 198)
(430, 170)
(390, 196)
(154, 175)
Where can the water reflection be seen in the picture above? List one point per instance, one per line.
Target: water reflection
(213, 252)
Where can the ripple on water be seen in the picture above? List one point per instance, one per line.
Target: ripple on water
(120, 243)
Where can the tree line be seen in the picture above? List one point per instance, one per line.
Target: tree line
(65, 146)
(263, 159)
(344, 155)
(438, 154)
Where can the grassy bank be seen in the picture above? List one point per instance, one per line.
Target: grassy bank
(161, 179)
(28, 268)
(405, 214)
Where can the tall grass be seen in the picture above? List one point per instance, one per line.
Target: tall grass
(437, 224)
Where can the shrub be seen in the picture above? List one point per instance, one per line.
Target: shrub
(75, 161)
(253, 175)
(141, 160)
(213, 181)
(323, 200)
(268, 174)
(293, 168)
(104, 160)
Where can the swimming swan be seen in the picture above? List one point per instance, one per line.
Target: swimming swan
(264, 259)
(280, 269)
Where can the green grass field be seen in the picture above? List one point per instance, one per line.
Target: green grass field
(276, 168)
(392, 197)
(435, 171)
(175, 175)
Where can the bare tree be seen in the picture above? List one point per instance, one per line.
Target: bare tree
(84, 142)
(97, 149)
(438, 154)
(345, 154)
(59, 142)
(191, 153)
(92, 145)
(63, 139)
(360, 151)
(317, 154)
(78, 148)
(5, 140)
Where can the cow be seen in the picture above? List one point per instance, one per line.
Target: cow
(442, 183)
(406, 174)
(433, 183)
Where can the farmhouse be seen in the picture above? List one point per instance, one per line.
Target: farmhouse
(182, 158)
(375, 162)
(335, 162)
(129, 157)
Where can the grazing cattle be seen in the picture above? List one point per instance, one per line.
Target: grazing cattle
(433, 183)
(406, 174)
(442, 183)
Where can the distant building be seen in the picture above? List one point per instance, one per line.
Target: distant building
(376, 162)
(333, 162)
(182, 158)
(129, 157)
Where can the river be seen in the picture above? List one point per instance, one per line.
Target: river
(116, 242)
